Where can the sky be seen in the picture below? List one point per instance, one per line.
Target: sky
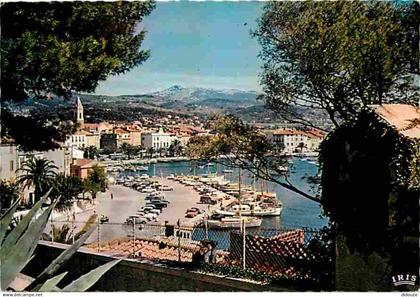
(195, 44)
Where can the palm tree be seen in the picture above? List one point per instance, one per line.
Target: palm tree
(150, 152)
(37, 173)
(301, 146)
(91, 152)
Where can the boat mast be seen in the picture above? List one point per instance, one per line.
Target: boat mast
(239, 194)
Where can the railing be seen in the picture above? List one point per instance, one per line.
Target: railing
(289, 255)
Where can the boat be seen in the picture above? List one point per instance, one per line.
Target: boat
(142, 168)
(252, 209)
(234, 223)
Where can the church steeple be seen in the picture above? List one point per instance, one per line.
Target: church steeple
(79, 113)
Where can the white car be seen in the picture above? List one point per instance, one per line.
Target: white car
(148, 190)
(152, 216)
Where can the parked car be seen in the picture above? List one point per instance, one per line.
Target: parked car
(104, 219)
(135, 219)
(148, 190)
(191, 213)
(167, 188)
(152, 216)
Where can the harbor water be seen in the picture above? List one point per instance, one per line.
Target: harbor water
(297, 210)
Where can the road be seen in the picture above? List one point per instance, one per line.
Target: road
(125, 203)
(181, 198)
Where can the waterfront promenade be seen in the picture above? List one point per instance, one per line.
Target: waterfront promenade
(127, 201)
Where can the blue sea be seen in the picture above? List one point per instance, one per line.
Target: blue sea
(297, 210)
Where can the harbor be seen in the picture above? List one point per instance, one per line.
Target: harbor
(295, 210)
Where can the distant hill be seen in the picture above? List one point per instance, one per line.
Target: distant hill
(178, 100)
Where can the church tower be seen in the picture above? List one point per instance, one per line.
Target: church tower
(79, 114)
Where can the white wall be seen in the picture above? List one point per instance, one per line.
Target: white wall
(8, 161)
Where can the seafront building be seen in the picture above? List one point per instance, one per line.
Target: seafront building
(296, 141)
(157, 140)
(9, 160)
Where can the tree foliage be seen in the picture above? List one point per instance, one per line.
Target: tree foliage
(234, 143)
(56, 48)
(129, 150)
(9, 193)
(338, 56)
(90, 152)
(60, 47)
(67, 189)
(367, 190)
(96, 180)
(37, 173)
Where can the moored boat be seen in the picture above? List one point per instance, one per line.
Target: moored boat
(252, 209)
(234, 223)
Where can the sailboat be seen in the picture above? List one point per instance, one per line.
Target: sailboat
(235, 221)
(262, 204)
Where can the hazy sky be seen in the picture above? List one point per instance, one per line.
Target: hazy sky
(204, 44)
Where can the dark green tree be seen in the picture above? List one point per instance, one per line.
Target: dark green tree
(56, 48)
(67, 188)
(175, 149)
(90, 152)
(150, 152)
(338, 56)
(37, 173)
(9, 193)
(96, 181)
(128, 149)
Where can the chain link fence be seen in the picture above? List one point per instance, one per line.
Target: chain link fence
(284, 255)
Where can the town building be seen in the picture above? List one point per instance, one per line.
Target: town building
(78, 139)
(135, 135)
(81, 168)
(8, 161)
(93, 139)
(296, 141)
(157, 140)
(102, 127)
(114, 140)
(109, 141)
(61, 158)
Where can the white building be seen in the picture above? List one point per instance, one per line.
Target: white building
(8, 161)
(78, 139)
(61, 158)
(294, 141)
(157, 140)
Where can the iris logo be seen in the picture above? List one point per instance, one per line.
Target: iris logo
(401, 279)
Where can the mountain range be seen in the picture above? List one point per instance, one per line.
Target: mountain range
(178, 99)
(199, 99)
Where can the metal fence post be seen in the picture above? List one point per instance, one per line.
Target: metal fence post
(243, 244)
(134, 236)
(207, 227)
(99, 234)
(179, 241)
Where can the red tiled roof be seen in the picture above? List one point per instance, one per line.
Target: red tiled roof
(120, 131)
